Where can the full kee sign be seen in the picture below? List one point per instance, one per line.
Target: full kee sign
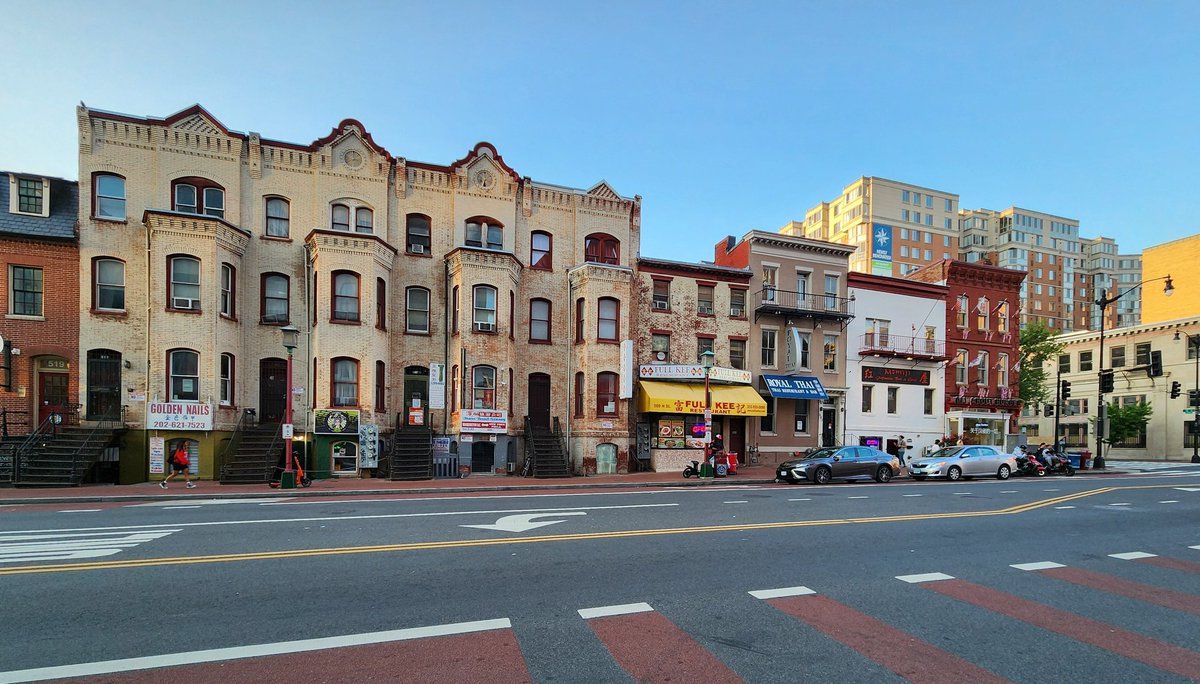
(177, 416)
(722, 408)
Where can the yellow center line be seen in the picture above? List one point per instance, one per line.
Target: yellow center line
(586, 536)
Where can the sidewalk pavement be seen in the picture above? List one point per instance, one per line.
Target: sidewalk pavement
(209, 489)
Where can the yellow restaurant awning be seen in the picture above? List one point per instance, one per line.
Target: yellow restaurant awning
(688, 397)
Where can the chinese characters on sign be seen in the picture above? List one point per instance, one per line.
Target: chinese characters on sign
(177, 416)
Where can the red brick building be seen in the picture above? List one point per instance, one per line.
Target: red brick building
(39, 295)
(982, 341)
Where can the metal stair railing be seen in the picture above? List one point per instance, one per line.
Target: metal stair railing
(556, 426)
(89, 453)
(48, 427)
(530, 452)
(235, 441)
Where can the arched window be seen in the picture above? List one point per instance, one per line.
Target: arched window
(417, 233)
(108, 201)
(108, 292)
(484, 232)
(184, 277)
(198, 196)
(344, 390)
(278, 217)
(982, 367)
(539, 320)
(345, 296)
(483, 387)
(1002, 317)
(540, 250)
(961, 310)
(484, 316)
(183, 375)
(960, 367)
(340, 218)
(606, 394)
(364, 220)
(983, 314)
(601, 248)
(227, 370)
(608, 327)
(416, 317)
(275, 296)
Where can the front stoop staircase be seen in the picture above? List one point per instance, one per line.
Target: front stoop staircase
(62, 457)
(545, 450)
(411, 455)
(252, 454)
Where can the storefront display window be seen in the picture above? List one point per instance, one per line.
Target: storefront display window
(680, 432)
(345, 458)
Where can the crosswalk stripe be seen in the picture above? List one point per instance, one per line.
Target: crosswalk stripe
(1164, 656)
(609, 611)
(651, 648)
(1043, 565)
(765, 594)
(1131, 555)
(1122, 587)
(925, 577)
(66, 546)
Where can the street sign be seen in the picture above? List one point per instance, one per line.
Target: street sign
(287, 431)
(1188, 411)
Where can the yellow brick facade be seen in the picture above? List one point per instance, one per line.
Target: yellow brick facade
(344, 168)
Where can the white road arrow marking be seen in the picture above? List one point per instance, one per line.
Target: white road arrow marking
(524, 522)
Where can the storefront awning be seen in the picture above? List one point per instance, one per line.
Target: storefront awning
(688, 397)
(794, 387)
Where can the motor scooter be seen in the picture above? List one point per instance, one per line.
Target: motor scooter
(1059, 464)
(1027, 464)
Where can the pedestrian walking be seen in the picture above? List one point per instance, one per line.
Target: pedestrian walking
(179, 464)
(901, 445)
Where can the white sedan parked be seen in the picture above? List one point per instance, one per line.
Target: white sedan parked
(955, 463)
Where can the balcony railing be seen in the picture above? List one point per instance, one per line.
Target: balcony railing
(887, 344)
(784, 302)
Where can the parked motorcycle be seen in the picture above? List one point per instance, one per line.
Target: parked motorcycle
(1059, 464)
(691, 471)
(1029, 465)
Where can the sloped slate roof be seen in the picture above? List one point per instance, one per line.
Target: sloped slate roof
(59, 225)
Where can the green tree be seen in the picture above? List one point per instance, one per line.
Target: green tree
(1127, 421)
(1038, 345)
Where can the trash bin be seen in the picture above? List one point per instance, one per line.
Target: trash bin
(721, 464)
(1084, 457)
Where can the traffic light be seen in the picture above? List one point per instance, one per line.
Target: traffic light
(1106, 381)
(1176, 389)
(1155, 369)
(1194, 398)
(1065, 389)
(1047, 410)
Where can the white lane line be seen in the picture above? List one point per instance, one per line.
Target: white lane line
(1050, 490)
(177, 508)
(925, 577)
(255, 651)
(735, 502)
(388, 516)
(82, 510)
(780, 593)
(1169, 501)
(1188, 489)
(1194, 547)
(1043, 565)
(608, 611)
(1009, 491)
(961, 493)
(1062, 508)
(23, 548)
(1131, 555)
(799, 499)
(1120, 504)
(911, 495)
(858, 497)
(205, 502)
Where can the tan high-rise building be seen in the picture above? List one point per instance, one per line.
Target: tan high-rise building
(895, 227)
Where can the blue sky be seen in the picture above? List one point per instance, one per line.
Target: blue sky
(724, 117)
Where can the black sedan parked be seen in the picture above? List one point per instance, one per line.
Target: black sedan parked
(839, 463)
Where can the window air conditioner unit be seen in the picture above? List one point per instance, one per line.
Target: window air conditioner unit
(485, 327)
(705, 310)
(184, 303)
(660, 305)
(735, 311)
(417, 249)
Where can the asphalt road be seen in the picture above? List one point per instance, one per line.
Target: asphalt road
(766, 583)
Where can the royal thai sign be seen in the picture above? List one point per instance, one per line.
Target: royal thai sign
(895, 376)
(179, 416)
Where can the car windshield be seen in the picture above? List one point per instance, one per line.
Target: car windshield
(820, 453)
(951, 452)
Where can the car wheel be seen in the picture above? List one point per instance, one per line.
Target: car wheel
(822, 476)
(1004, 472)
(884, 474)
(954, 474)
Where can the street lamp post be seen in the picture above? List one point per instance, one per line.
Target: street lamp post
(291, 338)
(706, 362)
(1103, 301)
(1193, 343)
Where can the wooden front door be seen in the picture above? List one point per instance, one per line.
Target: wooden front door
(539, 400)
(53, 393)
(103, 384)
(272, 390)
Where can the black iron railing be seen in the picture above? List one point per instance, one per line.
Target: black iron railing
(902, 345)
(773, 300)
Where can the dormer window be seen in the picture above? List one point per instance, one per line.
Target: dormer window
(199, 196)
(28, 196)
(599, 248)
(343, 211)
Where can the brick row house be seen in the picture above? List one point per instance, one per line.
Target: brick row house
(38, 293)
(983, 342)
(463, 297)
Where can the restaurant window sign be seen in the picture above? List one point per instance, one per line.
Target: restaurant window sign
(895, 376)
